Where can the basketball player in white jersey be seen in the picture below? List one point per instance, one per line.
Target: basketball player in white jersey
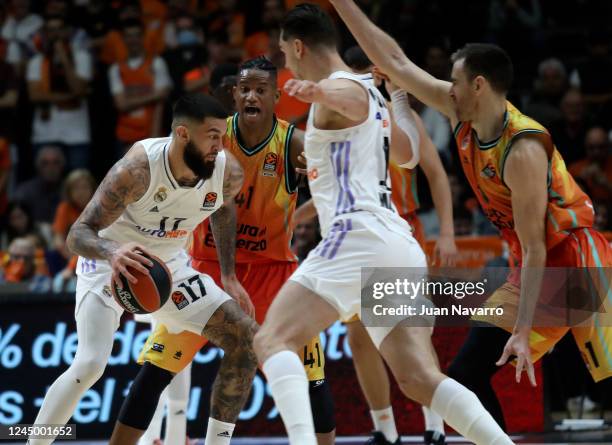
(346, 147)
(149, 203)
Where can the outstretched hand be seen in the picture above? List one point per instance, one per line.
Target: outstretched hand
(518, 345)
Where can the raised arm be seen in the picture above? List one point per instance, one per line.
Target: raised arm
(386, 54)
(525, 173)
(342, 103)
(126, 182)
(223, 225)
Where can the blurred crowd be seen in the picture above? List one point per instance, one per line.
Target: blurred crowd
(82, 80)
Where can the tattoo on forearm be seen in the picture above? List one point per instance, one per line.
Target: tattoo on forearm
(126, 182)
(223, 223)
(231, 330)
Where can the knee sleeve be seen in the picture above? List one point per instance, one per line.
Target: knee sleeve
(139, 405)
(322, 405)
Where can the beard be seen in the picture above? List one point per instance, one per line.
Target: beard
(196, 163)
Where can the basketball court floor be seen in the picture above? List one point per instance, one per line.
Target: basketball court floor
(575, 438)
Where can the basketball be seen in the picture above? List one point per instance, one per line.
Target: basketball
(149, 293)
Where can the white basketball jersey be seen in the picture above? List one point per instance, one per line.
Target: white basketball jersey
(163, 219)
(348, 169)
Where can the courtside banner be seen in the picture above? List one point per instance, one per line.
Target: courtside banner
(38, 341)
(421, 297)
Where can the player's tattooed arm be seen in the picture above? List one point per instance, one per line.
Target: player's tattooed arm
(223, 221)
(126, 182)
(223, 225)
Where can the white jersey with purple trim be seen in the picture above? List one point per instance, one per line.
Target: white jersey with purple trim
(348, 169)
(163, 219)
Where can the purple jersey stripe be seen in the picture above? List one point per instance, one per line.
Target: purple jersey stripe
(331, 237)
(345, 229)
(336, 157)
(350, 199)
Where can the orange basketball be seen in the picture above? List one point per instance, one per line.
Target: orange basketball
(149, 293)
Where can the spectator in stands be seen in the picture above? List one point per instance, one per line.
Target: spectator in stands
(568, 133)
(593, 76)
(257, 43)
(187, 60)
(548, 90)
(223, 79)
(9, 49)
(43, 192)
(20, 29)
(225, 27)
(139, 87)
(114, 47)
(20, 266)
(306, 236)
(19, 223)
(596, 170)
(79, 187)
(58, 80)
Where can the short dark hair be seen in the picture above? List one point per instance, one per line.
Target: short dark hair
(489, 61)
(197, 107)
(356, 58)
(310, 24)
(260, 63)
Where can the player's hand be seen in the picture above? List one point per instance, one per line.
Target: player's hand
(302, 160)
(304, 90)
(235, 290)
(445, 251)
(132, 255)
(518, 345)
(379, 76)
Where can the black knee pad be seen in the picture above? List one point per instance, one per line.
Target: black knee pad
(322, 405)
(139, 405)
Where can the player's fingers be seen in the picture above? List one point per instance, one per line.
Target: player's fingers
(292, 86)
(301, 171)
(141, 250)
(140, 258)
(519, 367)
(504, 357)
(531, 372)
(136, 263)
(131, 278)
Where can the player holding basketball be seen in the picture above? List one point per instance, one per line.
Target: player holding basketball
(154, 197)
(524, 189)
(267, 148)
(346, 145)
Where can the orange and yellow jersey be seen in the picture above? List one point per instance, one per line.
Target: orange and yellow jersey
(403, 188)
(266, 202)
(483, 163)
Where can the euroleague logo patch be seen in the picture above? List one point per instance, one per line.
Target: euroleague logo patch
(209, 200)
(179, 300)
(269, 166)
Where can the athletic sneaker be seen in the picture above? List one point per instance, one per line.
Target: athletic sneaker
(434, 438)
(379, 438)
